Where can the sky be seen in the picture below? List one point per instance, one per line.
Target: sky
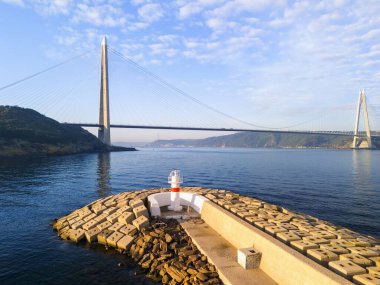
(272, 63)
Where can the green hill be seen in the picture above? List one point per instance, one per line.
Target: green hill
(264, 140)
(27, 132)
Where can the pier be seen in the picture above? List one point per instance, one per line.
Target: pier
(200, 246)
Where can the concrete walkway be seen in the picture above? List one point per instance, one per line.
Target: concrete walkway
(223, 255)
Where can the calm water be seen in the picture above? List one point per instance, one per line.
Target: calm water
(340, 186)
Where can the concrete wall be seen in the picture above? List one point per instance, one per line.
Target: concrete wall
(283, 264)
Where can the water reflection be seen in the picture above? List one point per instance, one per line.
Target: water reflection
(361, 164)
(103, 174)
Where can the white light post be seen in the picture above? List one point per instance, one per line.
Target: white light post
(175, 179)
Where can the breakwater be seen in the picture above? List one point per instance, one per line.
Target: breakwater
(123, 221)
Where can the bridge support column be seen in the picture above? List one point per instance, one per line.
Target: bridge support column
(104, 132)
(367, 142)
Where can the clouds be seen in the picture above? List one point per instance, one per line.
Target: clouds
(270, 45)
(151, 12)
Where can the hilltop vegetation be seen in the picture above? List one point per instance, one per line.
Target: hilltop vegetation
(264, 140)
(27, 132)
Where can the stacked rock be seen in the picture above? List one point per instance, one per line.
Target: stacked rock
(169, 256)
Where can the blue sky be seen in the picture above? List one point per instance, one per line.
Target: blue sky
(272, 63)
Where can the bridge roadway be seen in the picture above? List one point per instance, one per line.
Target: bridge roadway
(331, 133)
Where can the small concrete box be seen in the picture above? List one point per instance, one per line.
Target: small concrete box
(248, 258)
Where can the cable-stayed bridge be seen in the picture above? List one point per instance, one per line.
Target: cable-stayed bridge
(360, 139)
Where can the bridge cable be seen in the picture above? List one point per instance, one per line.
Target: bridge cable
(41, 72)
(183, 93)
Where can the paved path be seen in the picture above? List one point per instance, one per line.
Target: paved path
(224, 256)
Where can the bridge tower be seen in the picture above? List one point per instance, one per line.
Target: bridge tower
(104, 132)
(357, 143)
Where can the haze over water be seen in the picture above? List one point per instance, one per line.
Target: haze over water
(340, 186)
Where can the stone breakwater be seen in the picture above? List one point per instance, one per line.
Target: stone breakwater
(161, 247)
(168, 255)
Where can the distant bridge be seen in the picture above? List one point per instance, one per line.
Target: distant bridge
(360, 139)
(331, 133)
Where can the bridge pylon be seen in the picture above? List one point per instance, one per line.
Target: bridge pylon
(104, 132)
(366, 142)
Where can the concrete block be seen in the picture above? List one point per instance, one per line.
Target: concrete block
(342, 242)
(356, 258)
(92, 234)
(73, 221)
(245, 214)
(78, 224)
(303, 245)
(370, 240)
(263, 224)
(322, 256)
(141, 222)
(288, 226)
(99, 209)
(364, 251)
(76, 235)
(128, 230)
(141, 211)
(307, 228)
(273, 230)
(265, 216)
(136, 203)
(316, 239)
(126, 218)
(90, 224)
(103, 235)
(248, 258)
(110, 211)
(237, 209)
(300, 233)
(104, 225)
(125, 242)
(110, 203)
(367, 279)
(287, 237)
(346, 268)
(254, 219)
(122, 203)
(114, 238)
(325, 227)
(116, 226)
(89, 217)
(335, 248)
(124, 209)
(374, 270)
(323, 234)
(84, 213)
(376, 260)
(113, 217)
(101, 218)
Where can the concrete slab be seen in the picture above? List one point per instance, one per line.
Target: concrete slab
(141, 222)
(287, 237)
(124, 242)
(114, 238)
(356, 258)
(346, 268)
(224, 256)
(128, 230)
(376, 260)
(367, 279)
(92, 235)
(374, 270)
(335, 248)
(141, 211)
(126, 218)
